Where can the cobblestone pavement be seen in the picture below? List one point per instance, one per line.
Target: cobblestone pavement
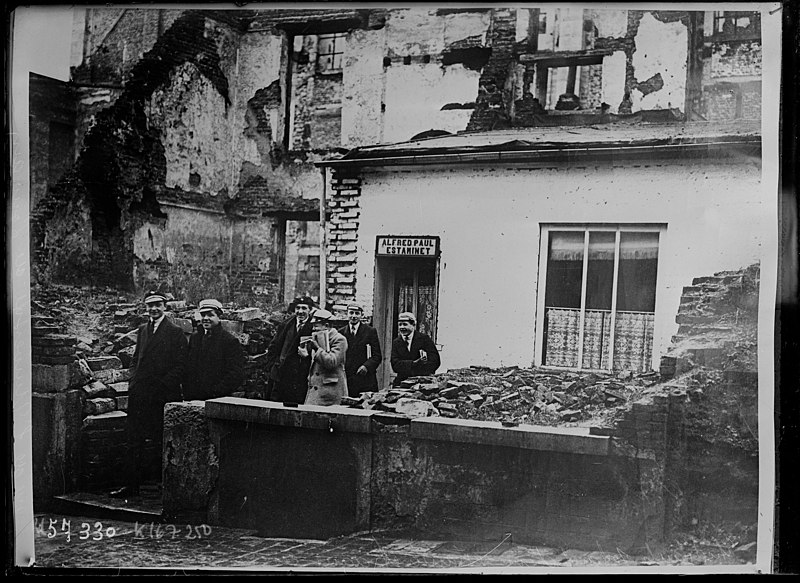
(73, 541)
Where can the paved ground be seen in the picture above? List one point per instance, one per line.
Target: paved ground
(74, 541)
(82, 542)
(95, 531)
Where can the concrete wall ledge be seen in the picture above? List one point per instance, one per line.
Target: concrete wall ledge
(333, 417)
(575, 440)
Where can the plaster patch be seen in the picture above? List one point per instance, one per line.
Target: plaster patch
(194, 123)
(661, 47)
(411, 112)
(614, 79)
(610, 23)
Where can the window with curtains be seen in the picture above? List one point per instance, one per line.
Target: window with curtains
(599, 297)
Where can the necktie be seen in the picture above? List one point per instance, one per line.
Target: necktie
(151, 328)
(353, 330)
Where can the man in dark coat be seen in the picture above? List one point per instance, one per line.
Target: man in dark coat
(363, 353)
(413, 353)
(287, 369)
(158, 364)
(216, 359)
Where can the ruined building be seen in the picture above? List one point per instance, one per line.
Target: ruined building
(183, 149)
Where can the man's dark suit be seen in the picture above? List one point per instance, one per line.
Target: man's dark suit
(287, 371)
(158, 362)
(402, 359)
(357, 356)
(215, 366)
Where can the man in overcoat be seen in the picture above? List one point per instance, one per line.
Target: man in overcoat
(158, 363)
(413, 353)
(287, 370)
(363, 353)
(327, 382)
(216, 358)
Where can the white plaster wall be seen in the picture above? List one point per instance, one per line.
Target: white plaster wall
(164, 239)
(362, 92)
(660, 48)
(415, 94)
(489, 223)
(523, 23)
(258, 66)
(610, 23)
(614, 79)
(570, 29)
(196, 130)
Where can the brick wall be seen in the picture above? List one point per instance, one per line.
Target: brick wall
(493, 98)
(343, 203)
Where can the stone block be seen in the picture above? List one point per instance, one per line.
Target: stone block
(122, 403)
(127, 339)
(415, 408)
(50, 378)
(114, 375)
(104, 363)
(96, 389)
(185, 324)
(176, 305)
(119, 388)
(43, 330)
(303, 416)
(247, 314)
(99, 406)
(53, 351)
(53, 340)
(52, 360)
(111, 420)
(56, 437)
(232, 326)
(191, 465)
(560, 439)
(125, 355)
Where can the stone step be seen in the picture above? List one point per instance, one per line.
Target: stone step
(99, 505)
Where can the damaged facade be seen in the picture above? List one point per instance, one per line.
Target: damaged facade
(195, 132)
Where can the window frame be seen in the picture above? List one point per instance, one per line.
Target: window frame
(338, 40)
(618, 228)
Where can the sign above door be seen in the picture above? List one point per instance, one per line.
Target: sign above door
(407, 246)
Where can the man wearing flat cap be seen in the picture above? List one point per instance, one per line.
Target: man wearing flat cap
(287, 370)
(158, 364)
(216, 358)
(327, 349)
(413, 353)
(363, 352)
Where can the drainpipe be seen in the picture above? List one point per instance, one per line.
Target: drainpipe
(323, 246)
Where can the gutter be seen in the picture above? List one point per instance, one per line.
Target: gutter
(551, 155)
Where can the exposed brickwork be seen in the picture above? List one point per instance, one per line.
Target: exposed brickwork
(343, 204)
(494, 99)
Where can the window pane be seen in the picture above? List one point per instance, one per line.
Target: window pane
(564, 270)
(600, 272)
(636, 290)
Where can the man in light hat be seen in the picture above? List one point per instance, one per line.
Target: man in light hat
(287, 369)
(327, 348)
(413, 353)
(216, 358)
(363, 352)
(158, 364)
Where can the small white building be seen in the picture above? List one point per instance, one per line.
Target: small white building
(564, 247)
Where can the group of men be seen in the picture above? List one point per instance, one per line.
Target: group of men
(308, 362)
(168, 368)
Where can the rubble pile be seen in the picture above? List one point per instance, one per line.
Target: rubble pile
(513, 395)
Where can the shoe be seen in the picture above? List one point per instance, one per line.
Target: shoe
(125, 492)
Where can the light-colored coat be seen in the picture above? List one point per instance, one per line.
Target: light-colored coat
(327, 381)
